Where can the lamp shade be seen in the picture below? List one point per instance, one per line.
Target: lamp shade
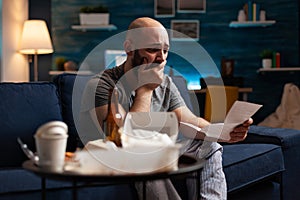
(35, 38)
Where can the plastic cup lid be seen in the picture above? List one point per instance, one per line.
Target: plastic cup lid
(52, 130)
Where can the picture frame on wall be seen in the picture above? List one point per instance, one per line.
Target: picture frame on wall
(185, 30)
(164, 8)
(227, 67)
(191, 6)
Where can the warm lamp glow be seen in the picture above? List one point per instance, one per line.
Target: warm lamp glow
(35, 40)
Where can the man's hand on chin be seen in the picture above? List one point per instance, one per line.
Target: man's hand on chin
(151, 75)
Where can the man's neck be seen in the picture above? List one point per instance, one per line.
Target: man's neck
(127, 66)
(129, 77)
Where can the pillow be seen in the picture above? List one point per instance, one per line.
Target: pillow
(24, 107)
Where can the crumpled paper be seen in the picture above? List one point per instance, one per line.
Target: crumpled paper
(139, 137)
(142, 151)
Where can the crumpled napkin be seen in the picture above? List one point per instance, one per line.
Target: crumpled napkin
(148, 146)
(142, 152)
(140, 137)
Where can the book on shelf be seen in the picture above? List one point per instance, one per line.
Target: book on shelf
(257, 11)
(252, 11)
(277, 58)
(274, 60)
(245, 8)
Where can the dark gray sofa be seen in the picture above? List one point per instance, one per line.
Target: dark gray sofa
(253, 168)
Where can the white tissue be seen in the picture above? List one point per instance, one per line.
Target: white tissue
(145, 149)
(139, 137)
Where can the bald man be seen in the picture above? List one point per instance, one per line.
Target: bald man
(143, 87)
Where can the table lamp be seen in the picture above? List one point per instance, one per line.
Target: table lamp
(35, 40)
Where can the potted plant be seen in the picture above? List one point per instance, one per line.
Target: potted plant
(266, 56)
(59, 63)
(94, 15)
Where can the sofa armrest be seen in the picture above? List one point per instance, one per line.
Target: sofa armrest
(286, 138)
(289, 140)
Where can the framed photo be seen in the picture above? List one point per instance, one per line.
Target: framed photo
(191, 6)
(227, 67)
(164, 8)
(185, 30)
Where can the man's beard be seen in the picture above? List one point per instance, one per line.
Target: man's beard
(137, 59)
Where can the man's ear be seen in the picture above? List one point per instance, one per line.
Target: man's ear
(128, 47)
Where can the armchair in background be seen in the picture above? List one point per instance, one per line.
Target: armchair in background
(218, 101)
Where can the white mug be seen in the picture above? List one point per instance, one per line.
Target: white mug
(51, 143)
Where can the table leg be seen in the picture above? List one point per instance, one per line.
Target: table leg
(74, 190)
(43, 184)
(144, 190)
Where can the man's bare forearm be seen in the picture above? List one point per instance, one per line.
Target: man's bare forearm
(142, 100)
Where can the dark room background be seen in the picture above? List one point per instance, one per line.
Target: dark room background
(243, 45)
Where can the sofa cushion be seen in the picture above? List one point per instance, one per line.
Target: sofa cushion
(70, 98)
(24, 181)
(22, 184)
(245, 164)
(24, 107)
(289, 141)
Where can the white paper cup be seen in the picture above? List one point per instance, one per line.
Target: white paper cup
(51, 143)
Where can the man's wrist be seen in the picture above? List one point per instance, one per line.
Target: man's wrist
(143, 93)
(142, 100)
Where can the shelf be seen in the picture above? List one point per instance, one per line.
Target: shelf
(84, 28)
(236, 24)
(83, 72)
(281, 69)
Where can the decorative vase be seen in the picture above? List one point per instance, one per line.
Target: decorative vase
(267, 63)
(94, 18)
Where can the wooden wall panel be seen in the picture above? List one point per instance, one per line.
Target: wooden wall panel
(241, 44)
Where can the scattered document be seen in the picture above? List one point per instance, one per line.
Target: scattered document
(238, 114)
